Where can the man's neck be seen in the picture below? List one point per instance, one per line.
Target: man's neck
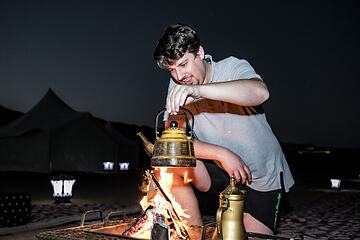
(207, 72)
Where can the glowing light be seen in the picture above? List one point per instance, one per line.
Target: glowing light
(57, 187)
(108, 166)
(62, 189)
(124, 166)
(68, 185)
(335, 183)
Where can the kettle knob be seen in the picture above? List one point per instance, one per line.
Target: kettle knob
(163, 110)
(173, 124)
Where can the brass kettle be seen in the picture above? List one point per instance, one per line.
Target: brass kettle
(174, 148)
(229, 216)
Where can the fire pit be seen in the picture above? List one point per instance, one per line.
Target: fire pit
(117, 230)
(112, 230)
(158, 221)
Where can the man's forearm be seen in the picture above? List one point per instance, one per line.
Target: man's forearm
(251, 92)
(209, 151)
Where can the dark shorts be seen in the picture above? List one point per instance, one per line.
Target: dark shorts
(264, 206)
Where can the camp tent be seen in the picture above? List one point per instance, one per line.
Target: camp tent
(53, 137)
(8, 115)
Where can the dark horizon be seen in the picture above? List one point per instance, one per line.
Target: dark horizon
(97, 57)
(129, 130)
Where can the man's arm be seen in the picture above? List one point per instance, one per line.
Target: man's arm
(247, 92)
(228, 160)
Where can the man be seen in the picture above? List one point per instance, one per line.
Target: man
(225, 98)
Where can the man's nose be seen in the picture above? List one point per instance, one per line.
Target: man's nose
(179, 74)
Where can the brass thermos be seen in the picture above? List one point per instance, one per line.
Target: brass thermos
(229, 216)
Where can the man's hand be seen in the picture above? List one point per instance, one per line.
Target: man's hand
(180, 95)
(229, 161)
(236, 167)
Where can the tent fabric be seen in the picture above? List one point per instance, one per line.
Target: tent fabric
(8, 115)
(124, 154)
(27, 153)
(53, 137)
(49, 113)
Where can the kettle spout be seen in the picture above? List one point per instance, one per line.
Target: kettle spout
(148, 147)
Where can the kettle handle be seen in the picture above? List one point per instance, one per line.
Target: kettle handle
(181, 108)
(219, 213)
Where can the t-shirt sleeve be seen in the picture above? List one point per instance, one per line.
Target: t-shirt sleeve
(241, 69)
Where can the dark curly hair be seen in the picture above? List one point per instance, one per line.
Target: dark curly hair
(175, 41)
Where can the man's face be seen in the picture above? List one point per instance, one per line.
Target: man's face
(189, 69)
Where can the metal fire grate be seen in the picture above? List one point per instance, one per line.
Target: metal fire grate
(111, 230)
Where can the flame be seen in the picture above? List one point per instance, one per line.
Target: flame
(166, 181)
(186, 177)
(155, 198)
(144, 203)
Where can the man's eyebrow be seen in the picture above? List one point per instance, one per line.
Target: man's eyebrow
(182, 62)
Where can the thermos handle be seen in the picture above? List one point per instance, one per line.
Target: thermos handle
(219, 213)
(163, 110)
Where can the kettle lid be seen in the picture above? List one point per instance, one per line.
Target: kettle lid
(174, 132)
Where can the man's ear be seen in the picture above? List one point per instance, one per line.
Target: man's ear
(201, 52)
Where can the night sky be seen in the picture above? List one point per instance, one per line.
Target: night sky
(97, 57)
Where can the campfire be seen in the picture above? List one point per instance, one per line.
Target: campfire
(162, 217)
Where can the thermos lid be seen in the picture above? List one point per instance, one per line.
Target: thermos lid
(232, 192)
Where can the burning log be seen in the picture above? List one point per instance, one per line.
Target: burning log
(139, 224)
(158, 222)
(160, 228)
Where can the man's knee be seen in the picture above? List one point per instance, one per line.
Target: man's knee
(174, 176)
(251, 224)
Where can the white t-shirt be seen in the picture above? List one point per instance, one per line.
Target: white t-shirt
(244, 130)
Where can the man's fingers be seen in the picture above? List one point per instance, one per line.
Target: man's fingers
(237, 176)
(245, 175)
(176, 98)
(248, 174)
